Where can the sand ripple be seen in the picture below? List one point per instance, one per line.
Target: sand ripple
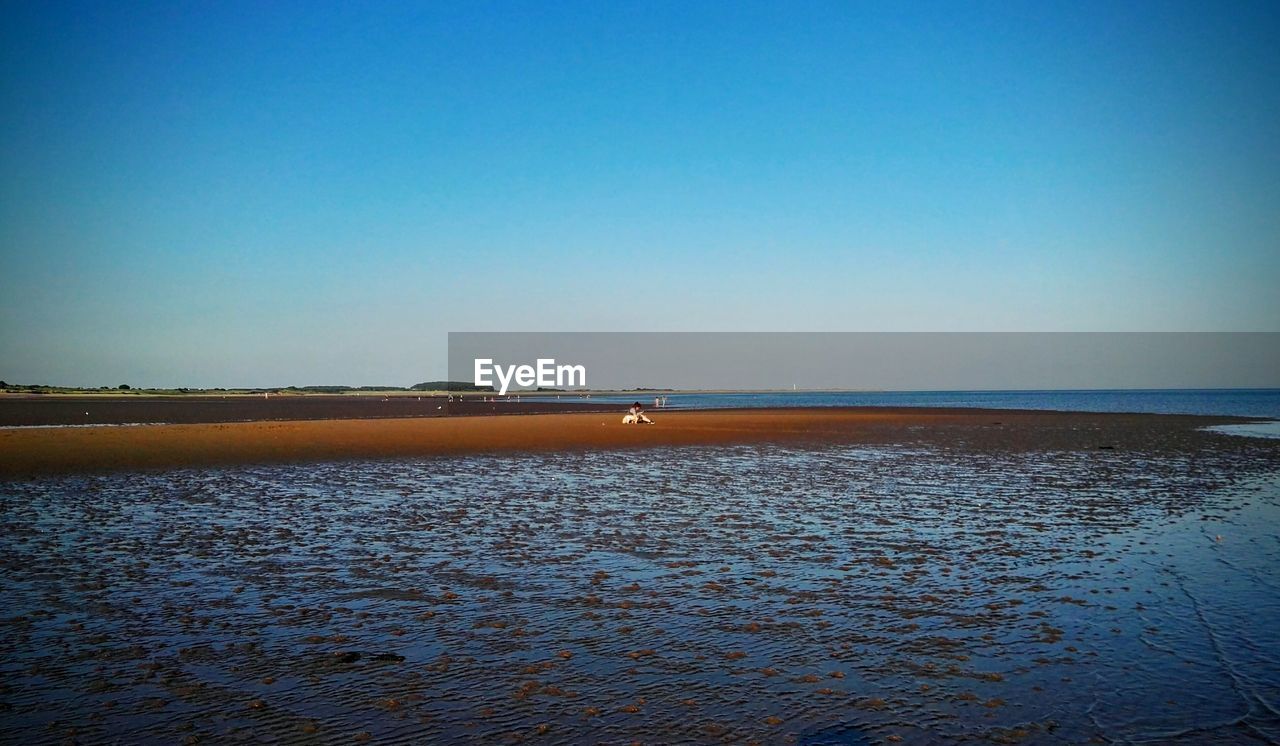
(831, 594)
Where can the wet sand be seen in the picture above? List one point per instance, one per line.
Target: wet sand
(19, 410)
(26, 452)
(910, 577)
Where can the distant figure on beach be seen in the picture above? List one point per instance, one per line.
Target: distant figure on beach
(635, 416)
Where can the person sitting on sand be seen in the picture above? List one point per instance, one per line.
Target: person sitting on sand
(635, 415)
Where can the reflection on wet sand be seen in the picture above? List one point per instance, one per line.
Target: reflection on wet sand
(808, 594)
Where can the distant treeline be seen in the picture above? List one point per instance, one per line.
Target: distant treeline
(32, 388)
(448, 386)
(426, 386)
(461, 386)
(44, 388)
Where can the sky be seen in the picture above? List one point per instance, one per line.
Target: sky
(301, 193)
(884, 361)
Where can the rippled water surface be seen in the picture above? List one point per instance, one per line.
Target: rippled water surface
(826, 595)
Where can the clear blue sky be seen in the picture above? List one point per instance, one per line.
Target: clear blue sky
(299, 193)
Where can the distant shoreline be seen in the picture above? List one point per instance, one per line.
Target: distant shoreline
(87, 409)
(55, 391)
(250, 392)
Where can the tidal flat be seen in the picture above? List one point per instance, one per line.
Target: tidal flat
(917, 591)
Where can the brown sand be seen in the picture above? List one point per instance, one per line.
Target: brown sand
(30, 452)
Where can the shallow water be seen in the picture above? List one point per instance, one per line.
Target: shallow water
(1233, 402)
(1265, 429)
(811, 595)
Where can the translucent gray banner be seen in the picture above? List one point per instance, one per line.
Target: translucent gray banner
(750, 361)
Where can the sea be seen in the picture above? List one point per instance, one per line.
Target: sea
(1263, 403)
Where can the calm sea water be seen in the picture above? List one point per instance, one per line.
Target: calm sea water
(1235, 402)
